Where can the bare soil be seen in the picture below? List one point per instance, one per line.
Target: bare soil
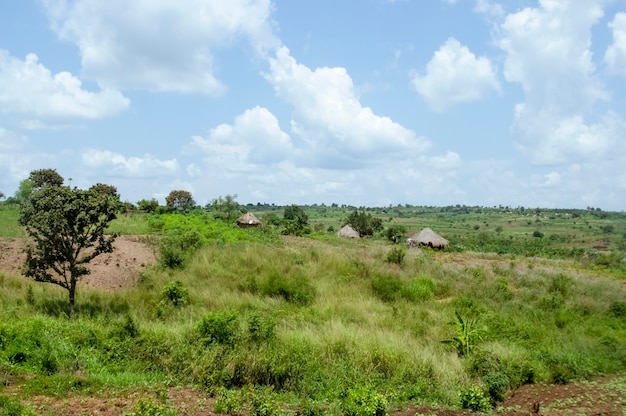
(120, 270)
(108, 272)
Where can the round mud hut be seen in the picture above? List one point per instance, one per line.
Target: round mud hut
(427, 237)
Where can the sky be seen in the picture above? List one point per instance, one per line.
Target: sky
(357, 102)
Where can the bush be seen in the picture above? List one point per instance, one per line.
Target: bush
(176, 293)
(363, 401)
(497, 384)
(396, 256)
(219, 328)
(474, 398)
(537, 234)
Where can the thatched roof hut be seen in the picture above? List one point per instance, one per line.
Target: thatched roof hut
(248, 220)
(427, 237)
(348, 232)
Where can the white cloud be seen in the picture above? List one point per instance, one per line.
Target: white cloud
(159, 45)
(455, 75)
(29, 88)
(489, 8)
(255, 137)
(615, 56)
(330, 119)
(548, 51)
(115, 164)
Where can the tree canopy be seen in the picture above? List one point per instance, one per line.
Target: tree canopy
(180, 200)
(227, 208)
(364, 223)
(67, 229)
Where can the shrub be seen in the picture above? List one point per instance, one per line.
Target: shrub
(537, 234)
(396, 256)
(261, 329)
(474, 398)
(219, 328)
(618, 309)
(497, 384)
(363, 401)
(176, 293)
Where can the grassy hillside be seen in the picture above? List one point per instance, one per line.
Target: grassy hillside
(321, 324)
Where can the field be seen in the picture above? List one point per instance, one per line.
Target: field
(524, 311)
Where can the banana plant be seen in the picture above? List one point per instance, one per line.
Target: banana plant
(467, 335)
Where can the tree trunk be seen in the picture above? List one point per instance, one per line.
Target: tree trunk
(72, 290)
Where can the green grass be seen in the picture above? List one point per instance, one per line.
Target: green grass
(9, 226)
(323, 320)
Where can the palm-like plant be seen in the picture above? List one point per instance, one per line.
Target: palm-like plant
(467, 335)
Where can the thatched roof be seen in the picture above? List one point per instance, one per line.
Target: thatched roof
(348, 232)
(428, 237)
(248, 220)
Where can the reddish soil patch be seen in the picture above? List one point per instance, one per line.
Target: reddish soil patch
(108, 272)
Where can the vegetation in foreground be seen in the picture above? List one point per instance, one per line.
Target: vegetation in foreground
(319, 325)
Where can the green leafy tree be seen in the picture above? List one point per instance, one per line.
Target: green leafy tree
(395, 233)
(148, 205)
(45, 177)
(106, 190)
(1, 195)
(67, 229)
(180, 200)
(227, 208)
(23, 192)
(364, 223)
(295, 221)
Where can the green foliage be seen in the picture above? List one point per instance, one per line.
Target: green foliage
(149, 407)
(67, 228)
(219, 328)
(386, 288)
(467, 335)
(496, 385)
(363, 401)
(179, 201)
(395, 233)
(295, 221)
(227, 208)
(364, 223)
(148, 205)
(537, 234)
(41, 178)
(396, 256)
(474, 398)
(294, 289)
(175, 293)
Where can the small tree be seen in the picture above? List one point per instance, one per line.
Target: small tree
(364, 223)
(180, 200)
(395, 233)
(227, 208)
(67, 228)
(295, 221)
(148, 205)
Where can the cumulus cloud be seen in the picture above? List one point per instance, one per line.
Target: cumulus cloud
(548, 52)
(29, 88)
(330, 119)
(255, 137)
(455, 75)
(489, 8)
(159, 45)
(615, 56)
(115, 164)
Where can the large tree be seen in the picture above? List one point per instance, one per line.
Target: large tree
(67, 231)
(180, 200)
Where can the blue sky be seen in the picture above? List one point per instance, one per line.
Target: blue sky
(368, 102)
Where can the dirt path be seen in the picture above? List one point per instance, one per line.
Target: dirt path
(108, 272)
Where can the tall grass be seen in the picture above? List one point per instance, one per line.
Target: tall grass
(317, 321)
